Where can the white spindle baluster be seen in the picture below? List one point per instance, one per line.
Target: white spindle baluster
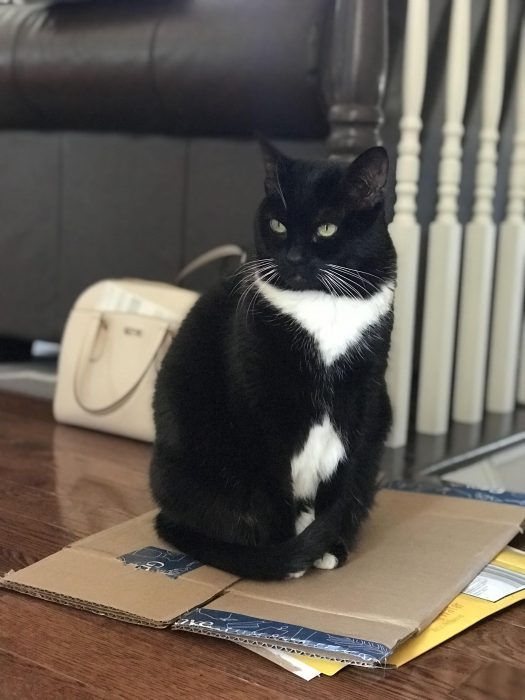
(521, 374)
(404, 229)
(509, 284)
(480, 234)
(444, 244)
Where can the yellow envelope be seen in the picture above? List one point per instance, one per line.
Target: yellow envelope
(498, 586)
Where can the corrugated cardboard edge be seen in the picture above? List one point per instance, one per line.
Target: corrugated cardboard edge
(479, 561)
(287, 645)
(80, 604)
(118, 614)
(281, 647)
(318, 634)
(117, 589)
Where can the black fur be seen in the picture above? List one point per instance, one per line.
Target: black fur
(242, 384)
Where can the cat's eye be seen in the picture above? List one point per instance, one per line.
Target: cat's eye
(326, 230)
(277, 226)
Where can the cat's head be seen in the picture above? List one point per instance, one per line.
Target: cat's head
(321, 219)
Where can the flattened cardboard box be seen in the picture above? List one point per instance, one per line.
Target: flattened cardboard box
(416, 553)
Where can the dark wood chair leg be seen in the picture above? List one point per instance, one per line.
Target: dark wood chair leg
(355, 83)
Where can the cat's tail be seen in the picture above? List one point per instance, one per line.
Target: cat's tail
(267, 562)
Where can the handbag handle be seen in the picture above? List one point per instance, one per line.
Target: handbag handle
(97, 325)
(229, 250)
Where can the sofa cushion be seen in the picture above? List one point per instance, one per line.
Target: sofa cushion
(189, 67)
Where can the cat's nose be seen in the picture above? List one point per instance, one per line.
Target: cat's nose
(295, 255)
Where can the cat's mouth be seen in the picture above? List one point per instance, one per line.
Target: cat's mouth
(294, 279)
(297, 281)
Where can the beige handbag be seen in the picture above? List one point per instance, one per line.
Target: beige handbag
(114, 341)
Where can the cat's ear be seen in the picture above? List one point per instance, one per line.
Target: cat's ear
(274, 163)
(366, 178)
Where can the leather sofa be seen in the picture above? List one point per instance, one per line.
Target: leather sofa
(126, 128)
(126, 136)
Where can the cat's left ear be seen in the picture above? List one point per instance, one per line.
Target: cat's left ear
(366, 178)
(274, 163)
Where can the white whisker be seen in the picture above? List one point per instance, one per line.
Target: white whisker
(360, 272)
(265, 270)
(279, 186)
(346, 287)
(352, 275)
(327, 284)
(351, 283)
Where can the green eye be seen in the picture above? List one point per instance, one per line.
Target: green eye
(277, 226)
(326, 230)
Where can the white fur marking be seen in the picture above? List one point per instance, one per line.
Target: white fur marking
(327, 561)
(297, 574)
(317, 461)
(335, 322)
(305, 518)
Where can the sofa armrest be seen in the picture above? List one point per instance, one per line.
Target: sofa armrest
(194, 68)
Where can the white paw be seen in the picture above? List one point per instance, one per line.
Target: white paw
(297, 574)
(327, 561)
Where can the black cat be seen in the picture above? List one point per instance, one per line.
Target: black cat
(271, 408)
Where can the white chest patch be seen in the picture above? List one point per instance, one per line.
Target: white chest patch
(336, 323)
(318, 459)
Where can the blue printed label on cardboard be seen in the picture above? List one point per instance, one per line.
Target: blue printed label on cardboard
(236, 625)
(449, 488)
(172, 564)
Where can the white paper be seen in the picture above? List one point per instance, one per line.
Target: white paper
(495, 583)
(284, 660)
(116, 298)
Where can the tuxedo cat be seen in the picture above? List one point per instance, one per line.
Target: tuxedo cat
(271, 408)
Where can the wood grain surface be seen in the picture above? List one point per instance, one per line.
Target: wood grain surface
(58, 484)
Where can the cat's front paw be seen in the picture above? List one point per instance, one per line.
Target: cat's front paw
(327, 561)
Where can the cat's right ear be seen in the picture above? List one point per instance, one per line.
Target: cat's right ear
(274, 162)
(366, 178)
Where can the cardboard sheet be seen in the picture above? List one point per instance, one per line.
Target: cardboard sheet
(416, 554)
(110, 573)
(498, 586)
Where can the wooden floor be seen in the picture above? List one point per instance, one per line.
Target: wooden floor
(57, 484)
